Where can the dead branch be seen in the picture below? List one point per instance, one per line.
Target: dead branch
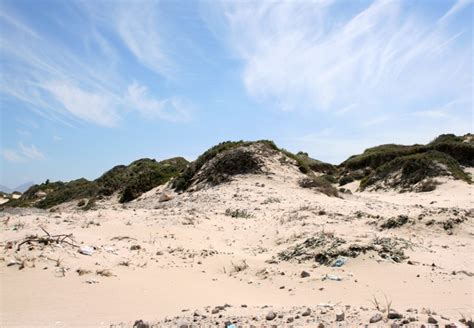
(48, 239)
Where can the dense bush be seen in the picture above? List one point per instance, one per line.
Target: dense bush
(415, 168)
(304, 163)
(345, 180)
(130, 181)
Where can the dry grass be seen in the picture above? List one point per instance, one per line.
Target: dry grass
(238, 267)
(104, 273)
(82, 272)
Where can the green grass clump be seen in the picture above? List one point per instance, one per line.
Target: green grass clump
(237, 213)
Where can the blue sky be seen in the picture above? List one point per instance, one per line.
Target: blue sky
(87, 85)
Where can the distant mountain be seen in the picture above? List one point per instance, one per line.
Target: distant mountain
(24, 187)
(21, 188)
(5, 189)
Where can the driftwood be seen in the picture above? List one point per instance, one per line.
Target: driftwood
(49, 239)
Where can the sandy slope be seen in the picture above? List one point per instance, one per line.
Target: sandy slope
(190, 252)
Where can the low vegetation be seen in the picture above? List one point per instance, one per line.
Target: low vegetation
(406, 171)
(233, 159)
(402, 167)
(391, 166)
(321, 184)
(129, 181)
(237, 213)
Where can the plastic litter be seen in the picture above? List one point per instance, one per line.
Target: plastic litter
(332, 277)
(86, 250)
(340, 262)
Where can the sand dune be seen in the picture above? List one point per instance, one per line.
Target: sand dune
(214, 256)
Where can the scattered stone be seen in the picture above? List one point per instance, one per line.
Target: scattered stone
(290, 320)
(394, 315)
(164, 197)
(432, 320)
(135, 247)
(304, 274)
(340, 316)
(376, 318)
(270, 316)
(140, 324)
(306, 313)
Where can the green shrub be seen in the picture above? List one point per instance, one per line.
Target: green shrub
(238, 213)
(90, 205)
(329, 178)
(130, 181)
(428, 185)
(415, 168)
(65, 192)
(320, 184)
(345, 180)
(304, 163)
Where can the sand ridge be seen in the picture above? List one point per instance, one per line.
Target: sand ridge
(175, 262)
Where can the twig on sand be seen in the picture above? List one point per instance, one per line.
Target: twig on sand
(49, 239)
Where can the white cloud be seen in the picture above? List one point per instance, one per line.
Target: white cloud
(23, 133)
(307, 55)
(171, 109)
(12, 156)
(92, 107)
(23, 153)
(430, 114)
(457, 7)
(85, 82)
(31, 152)
(138, 26)
(375, 121)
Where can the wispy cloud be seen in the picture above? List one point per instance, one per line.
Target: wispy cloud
(89, 106)
(31, 152)
(23, 153)
(11, 155)
(308, 55)
(457, 7)
(449, 111)
(171, 109)
(82, 81)
(138, 25)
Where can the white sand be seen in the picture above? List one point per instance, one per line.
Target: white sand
(200, 244)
